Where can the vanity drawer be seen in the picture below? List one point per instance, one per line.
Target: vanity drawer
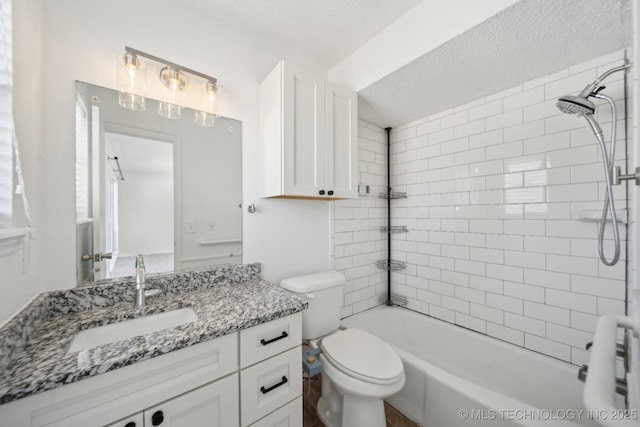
(289, 415)
(269, 385)
(266, 340)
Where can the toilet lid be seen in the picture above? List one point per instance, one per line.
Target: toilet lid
(362, 356)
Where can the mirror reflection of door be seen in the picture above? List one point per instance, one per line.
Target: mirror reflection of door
(139, 213)
(84, 206)
(124, 198)
(122, 217)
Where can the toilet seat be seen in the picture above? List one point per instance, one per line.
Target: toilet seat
(363, 356)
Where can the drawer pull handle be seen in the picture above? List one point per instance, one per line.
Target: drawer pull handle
(265, 342)
(265, 390)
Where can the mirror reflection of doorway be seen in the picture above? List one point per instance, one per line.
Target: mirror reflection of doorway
(207, 187)
(139, 206)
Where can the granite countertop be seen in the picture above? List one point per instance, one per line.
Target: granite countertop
(35, 343)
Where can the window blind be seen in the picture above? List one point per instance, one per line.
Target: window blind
(82, 162)
(6, 115)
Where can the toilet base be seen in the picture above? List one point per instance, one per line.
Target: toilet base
(330, 418)
(346, 410)
(359, 411)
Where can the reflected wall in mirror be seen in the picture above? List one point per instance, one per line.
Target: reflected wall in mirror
(168, 189)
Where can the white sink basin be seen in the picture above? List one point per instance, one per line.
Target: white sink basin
(94, 337)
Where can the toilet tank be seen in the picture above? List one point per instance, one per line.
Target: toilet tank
(325, 294)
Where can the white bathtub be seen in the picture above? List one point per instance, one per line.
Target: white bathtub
(451, 370)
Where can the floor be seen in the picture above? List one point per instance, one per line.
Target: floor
(311, 394)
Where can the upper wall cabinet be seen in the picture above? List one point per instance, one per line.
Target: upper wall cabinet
(308, 132)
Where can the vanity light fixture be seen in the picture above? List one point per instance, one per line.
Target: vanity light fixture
(174, 83)
(131, 82)
(175, 88)
(209, 112)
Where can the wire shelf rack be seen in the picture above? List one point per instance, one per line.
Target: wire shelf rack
(394, 229)
(395, 300)
(393, 195)
(389, 264)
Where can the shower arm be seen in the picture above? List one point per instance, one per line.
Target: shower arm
(588, 90)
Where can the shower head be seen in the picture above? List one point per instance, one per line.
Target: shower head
(580, 105)
(577, 105)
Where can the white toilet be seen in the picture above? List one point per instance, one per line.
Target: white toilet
(358, 369)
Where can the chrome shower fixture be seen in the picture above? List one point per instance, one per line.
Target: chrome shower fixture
(577, 105)
(580, 105)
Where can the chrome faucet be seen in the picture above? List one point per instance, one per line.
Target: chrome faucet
(140, 281)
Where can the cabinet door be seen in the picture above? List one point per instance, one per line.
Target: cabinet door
(341, 142)
(290, 415)
(212, 405)
(303, 133)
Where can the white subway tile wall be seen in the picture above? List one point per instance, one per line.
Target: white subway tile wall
(496, 188)
(357, 240)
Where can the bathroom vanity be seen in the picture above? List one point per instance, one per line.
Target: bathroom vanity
(238, 364)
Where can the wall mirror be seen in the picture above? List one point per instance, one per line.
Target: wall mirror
(166, 188)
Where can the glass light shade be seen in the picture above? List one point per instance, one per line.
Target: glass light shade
(132, 76)
(204, 119)
(174, 83)
(209, 106)
(169, 110)
(132, 102)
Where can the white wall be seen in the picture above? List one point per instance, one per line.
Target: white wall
(80, 40)
(496, 187)
(357, 239)
(84, 45)
(18, 271)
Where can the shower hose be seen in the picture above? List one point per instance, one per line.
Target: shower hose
(609, 206)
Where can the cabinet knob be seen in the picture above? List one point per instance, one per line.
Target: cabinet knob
(130, 424)
(321, 192)
(157, 418)
(330, 192)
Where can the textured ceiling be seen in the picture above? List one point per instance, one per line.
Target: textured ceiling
(530, 39)
(323, 31)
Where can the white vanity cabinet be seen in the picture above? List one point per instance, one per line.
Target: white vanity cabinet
(234, 380)
(176, 379)
(213, 405)
(308, 131)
